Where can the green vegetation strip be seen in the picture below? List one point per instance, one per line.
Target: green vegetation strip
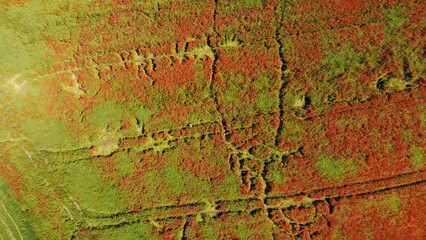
(13, 223)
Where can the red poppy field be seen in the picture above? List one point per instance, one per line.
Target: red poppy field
(216, 119)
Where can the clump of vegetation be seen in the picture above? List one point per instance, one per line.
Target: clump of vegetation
(396, 18)
(394, 203)
(277, 177)
(393, 84)
(106, 115)
(422, 116)
(348, 121)
(389, 206)
(344, 60)
(336, 169)
(292, 131)
(418, 157)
